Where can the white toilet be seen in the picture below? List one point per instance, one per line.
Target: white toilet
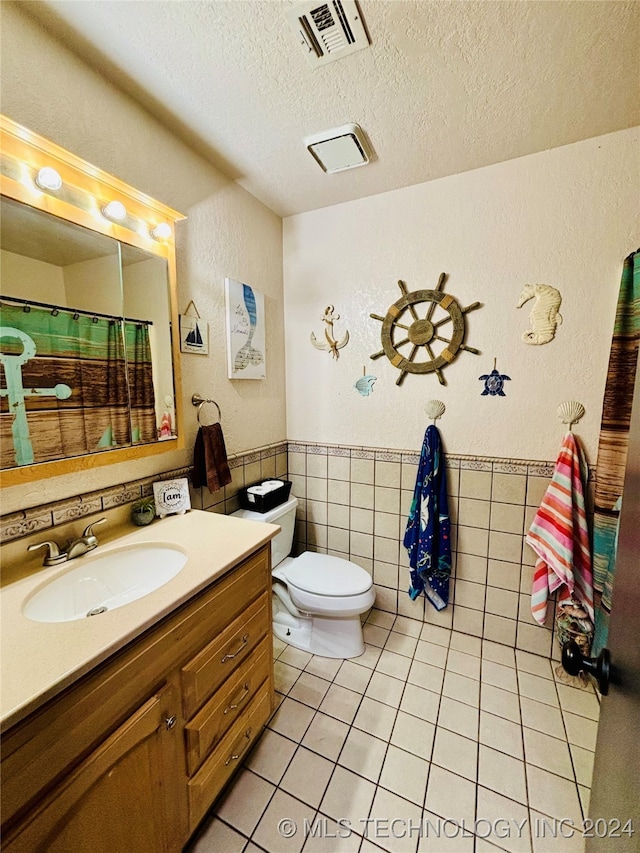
(317, 599)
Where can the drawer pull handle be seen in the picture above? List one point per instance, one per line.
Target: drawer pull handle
(243, 643)
(237, 702)
(235, 756)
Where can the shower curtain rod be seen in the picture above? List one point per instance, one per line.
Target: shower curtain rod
(74, 311)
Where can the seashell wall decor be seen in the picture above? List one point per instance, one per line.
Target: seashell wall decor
(364, 385)
(570, 412)
(435, 409)
(544, 316)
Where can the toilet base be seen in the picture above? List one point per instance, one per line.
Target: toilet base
(329, 638)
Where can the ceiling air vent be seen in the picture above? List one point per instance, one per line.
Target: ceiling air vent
(328, 31)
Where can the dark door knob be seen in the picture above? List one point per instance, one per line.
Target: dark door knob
(574, 662)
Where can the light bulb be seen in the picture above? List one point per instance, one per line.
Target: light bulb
(162, 231)
(114, 210)
(48, 179)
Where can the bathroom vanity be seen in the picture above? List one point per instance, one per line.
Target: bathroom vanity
(120, 730)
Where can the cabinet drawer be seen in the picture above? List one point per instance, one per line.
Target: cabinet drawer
(217, 769)
(230, 701)
(208, 669)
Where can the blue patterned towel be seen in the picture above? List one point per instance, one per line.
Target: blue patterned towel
(428, 536)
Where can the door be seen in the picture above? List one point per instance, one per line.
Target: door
(615, 794)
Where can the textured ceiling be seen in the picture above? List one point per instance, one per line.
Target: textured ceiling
(445, 86)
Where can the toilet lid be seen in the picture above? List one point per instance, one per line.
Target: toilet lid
(325, 575)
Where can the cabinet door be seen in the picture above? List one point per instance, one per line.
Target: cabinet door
(119, 799)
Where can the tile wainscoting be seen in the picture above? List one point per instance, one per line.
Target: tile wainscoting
(354, 503)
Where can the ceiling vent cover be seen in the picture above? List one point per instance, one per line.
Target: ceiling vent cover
(327, 31)
(342, 148)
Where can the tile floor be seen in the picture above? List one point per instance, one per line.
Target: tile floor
(432, 741)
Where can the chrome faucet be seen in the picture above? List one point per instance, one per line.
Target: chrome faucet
(75, 547)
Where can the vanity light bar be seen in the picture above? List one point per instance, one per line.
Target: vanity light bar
(48, 179)
(114, 210)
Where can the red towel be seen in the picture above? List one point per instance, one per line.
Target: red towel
(210, 465)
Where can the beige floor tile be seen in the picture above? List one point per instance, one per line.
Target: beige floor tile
(551, 837)
(340, 703)
(405, 774)
(216, 835)
(307, 777)
(242, 804)
(410, 627)
(585, 796)
(376, 718)
(535, 664)
(580, 731)
(500, 676)
(502, 703)
(502, 773)
(385, 688)
(401, 644)
(348, 796)
(436, 634)
(295, 657)
(309, 689)
(548, 752)
(381, 619)
(363, 754)
(436, 836)
(427, 676)
(498, 653)
(456, 753)
(285, 676)
(395, 838)
(581, 702)
(458, 717)
(451, 796)
(323, 667)
(552, 795)
(413, 735)
(420, 702)
(392, 664)
(583, 764)
(278, 646)
(353, 676)
(375, 636)
(466, 644)
(431, 653)
(267, 835)
(291, 719)
(463, 664)
(503, 822)
(463, 689)
(326, 736)
(540, 689)
(501, 734)
(328, 836)
(270, 756)
(542, 718)
(369, 657)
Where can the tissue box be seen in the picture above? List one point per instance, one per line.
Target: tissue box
(264, 495)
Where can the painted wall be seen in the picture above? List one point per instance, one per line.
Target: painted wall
(227, 233)
(565, 217)
(26, 278)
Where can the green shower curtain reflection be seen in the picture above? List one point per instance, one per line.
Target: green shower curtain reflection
(614, 442)
(141, 391)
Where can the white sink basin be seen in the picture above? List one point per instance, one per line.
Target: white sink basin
(94, 585)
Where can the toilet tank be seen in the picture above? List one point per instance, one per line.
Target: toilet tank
(285, 516)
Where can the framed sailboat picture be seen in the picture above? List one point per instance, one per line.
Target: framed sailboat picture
(194, 335)
(245, 331)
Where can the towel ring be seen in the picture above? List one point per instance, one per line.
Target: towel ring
(199, 401)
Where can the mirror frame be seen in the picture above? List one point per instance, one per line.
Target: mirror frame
(94, 188)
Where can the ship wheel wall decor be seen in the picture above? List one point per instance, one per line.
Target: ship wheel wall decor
(423, 332)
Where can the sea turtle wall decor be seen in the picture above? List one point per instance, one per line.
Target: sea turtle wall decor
(494, 382)
(331, 344)
(422, 332)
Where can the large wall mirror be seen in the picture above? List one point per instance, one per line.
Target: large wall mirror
(88, 327)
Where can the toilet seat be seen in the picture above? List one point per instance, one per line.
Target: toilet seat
(321, 574)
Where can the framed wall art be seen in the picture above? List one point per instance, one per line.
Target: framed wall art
(194, 332)
(245, 331)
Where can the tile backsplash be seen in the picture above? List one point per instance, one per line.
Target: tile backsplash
(353, 503)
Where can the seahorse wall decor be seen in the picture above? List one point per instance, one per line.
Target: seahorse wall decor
(544, 316)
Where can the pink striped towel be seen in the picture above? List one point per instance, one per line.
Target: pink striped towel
(560, 538)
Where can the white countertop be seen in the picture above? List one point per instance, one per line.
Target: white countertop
(40, 659)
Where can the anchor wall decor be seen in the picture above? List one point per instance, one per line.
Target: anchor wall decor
(422, 332)
(331, 344)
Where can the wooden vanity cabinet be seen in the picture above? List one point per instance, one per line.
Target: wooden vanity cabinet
(132, 756)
